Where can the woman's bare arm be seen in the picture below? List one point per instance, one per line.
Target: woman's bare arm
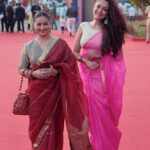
(77, 47)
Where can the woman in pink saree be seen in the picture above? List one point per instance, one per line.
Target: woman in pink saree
(102, 70)
(55, 91)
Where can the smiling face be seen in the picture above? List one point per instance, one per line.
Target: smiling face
(42, 26)
(100, 9)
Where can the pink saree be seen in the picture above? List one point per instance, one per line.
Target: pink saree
(104, 89)
(56, 98)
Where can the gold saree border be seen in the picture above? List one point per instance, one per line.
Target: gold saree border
(79, 139)
(45, 127)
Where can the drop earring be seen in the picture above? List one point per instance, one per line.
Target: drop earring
(106, 20)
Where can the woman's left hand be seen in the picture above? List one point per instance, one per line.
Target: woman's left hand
(53, 71)
(91, 54)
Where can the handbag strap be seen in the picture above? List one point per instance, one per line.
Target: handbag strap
(21, 81)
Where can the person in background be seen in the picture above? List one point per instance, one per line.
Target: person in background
(53, 16)
(147, 12)
(62, 24)
(132, 13)
(102, 70)
(10, 16)
(14, 8)
(35, 8)
(125, 10)
(55, 90)
(20, 17)
(45, 8)
(71, 19)
(3, 18)
(28, 13)
(63, 11)
(30, 22)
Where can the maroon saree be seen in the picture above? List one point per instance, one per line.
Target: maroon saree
(55, 99)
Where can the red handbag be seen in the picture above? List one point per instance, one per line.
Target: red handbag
(21, 104)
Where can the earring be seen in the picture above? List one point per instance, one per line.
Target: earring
(106, 21)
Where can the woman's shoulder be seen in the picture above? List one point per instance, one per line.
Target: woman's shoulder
(83, 24)
(63, 44)
(30, 43)
(62, 41)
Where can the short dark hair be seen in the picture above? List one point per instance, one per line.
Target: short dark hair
(41, 14)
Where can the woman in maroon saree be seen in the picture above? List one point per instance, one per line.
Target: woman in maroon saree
(55, 91)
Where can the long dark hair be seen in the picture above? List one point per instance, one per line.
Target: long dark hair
(114, 30)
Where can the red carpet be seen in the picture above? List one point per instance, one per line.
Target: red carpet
(134, 123)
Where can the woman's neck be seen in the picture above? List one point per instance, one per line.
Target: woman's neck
(44, 39)
(96, 24)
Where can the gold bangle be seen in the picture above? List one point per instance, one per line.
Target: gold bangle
(28, 73)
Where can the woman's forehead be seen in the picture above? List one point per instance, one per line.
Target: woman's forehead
(42, 18)
(103, 3)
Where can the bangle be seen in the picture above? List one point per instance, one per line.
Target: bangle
(28, 73)
(23, 72)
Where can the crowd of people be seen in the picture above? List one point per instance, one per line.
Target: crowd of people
(13, 12)
(130, 11)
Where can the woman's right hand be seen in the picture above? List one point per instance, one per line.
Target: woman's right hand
(92, 64)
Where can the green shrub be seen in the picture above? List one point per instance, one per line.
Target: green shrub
(137, 28)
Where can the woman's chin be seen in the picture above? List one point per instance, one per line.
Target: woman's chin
(43, 34)
(99, 18)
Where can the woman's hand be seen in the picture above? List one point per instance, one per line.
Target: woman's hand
(44, 73)
(91, 54)
(92, 65)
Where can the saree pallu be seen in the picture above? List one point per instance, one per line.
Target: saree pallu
(104, 89)
(56, 98)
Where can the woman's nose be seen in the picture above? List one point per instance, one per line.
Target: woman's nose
(42, 26)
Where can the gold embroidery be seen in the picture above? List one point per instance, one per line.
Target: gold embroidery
(48, 48)
(79, 137)
(45, 127)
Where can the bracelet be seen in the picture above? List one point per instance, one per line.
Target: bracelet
(28, 73)
(23, 72)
